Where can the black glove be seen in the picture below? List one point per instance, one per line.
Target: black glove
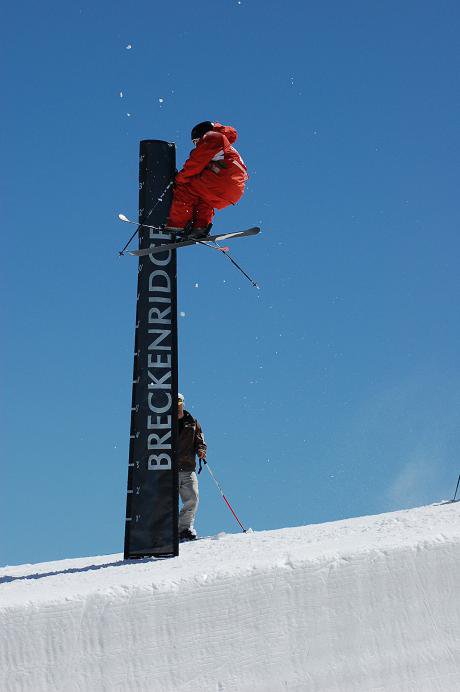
(200, 462)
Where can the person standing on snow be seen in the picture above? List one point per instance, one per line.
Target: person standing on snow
(213, 177)
(190, 442)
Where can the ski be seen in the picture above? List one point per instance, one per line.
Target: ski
(152, 250)
(124, 218)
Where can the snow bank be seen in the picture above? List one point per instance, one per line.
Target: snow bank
(363, 604)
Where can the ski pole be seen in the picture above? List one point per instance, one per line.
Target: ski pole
(122, 217)
(455, 495)
(222, 493)
(227, 254)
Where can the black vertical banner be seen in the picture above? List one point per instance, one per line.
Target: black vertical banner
(152, 500)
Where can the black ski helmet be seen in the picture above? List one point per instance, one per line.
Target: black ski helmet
(201, 129)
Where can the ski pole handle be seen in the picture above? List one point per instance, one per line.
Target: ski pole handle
(201, 461)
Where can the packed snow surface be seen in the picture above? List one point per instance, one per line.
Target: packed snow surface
(364, 604)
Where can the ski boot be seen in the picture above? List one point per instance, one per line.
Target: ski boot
(179, 232)
(199, 233)
(187, 535)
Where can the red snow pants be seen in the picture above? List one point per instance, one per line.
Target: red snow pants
(189, 205)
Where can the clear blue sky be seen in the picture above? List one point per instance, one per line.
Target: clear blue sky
(332, 392)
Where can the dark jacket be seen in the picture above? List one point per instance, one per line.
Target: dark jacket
(190, 441)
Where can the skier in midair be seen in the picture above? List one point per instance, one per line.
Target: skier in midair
(213, 177)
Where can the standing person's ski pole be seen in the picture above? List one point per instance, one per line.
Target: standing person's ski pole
(222, 493)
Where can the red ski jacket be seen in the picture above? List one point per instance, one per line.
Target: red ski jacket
(215, 167)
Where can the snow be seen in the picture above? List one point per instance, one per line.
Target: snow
(362, 604)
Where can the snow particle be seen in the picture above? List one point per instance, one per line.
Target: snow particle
(161, 100)
(182, 314)
(121, 94)
(129, 46)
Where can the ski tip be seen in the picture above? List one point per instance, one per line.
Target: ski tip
(122, 217)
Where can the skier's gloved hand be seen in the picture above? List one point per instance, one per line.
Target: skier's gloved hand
(201, 460)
